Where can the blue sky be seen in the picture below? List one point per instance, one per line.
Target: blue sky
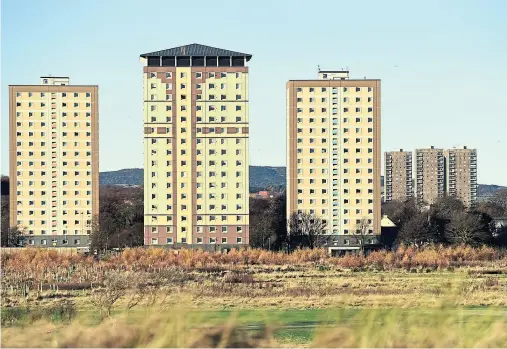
(448, 89)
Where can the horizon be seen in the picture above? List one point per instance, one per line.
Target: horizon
(431, 93)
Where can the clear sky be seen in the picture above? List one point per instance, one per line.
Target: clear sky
(448, 89)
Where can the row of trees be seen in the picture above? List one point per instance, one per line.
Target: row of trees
(448, 221)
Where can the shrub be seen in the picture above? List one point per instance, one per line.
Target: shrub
(33, 269)
(236, 278)
(64, 311)
(11, 316)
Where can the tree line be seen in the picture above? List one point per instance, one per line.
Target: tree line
(447, 221)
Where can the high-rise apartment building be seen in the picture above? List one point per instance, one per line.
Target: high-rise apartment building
(54, 161)
(398, 175)
(196, 147)
(461, 174)
(430, 181)
(333, 152)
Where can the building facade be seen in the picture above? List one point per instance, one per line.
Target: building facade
(398, 175)
(430, 181)
(461, 174)
(333, 153)
(196, 147)
(54, 161)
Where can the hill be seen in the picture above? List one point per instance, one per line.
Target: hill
(261, 177)
(128, 176)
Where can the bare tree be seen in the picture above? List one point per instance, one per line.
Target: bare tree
(500, 199)
(400, 212)
(468, 228)
(260, 223)
(363, 229)
(11, 237)
(115, 286)
(98, 238)
(418, 231)
(306, 230)
(14, 237)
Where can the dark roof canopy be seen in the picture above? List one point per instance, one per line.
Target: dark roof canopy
(196, 50)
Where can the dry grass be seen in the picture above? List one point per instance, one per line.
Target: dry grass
(381, 285)
(175, 328)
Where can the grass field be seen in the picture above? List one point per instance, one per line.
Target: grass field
(313, 302)
(293, 306)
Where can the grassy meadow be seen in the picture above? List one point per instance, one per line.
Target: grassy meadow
(436, 297)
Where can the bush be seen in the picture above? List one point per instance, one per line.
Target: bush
(39, 269)
(12, 316)
(235, 278)
(60, 312)
(64, 311)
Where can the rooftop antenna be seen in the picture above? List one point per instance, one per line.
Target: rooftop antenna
(318, 67)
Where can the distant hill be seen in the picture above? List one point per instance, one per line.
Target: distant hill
(261, 177)
(486, 190)
(128, 176)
